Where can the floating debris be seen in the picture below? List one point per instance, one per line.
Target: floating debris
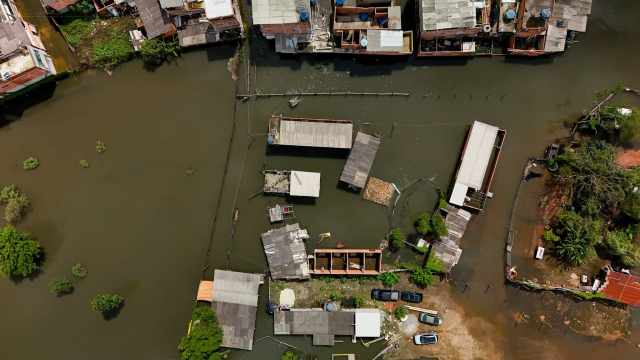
(294, 101)
(378, 191)
(84, 163)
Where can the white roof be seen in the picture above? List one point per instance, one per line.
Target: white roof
(218, 8)
(274, 12)
(236, 287)
(368, 322)
(458, 194)
(477, 154)
(304, 183)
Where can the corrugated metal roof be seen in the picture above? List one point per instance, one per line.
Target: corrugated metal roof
(477, 155)
(286, 252)
(154, 19)
(622, 288)
(356, 170)
(385, 40)
(447, 14)
(275, 11)
(165, 4)
(313, 132)
(236, 287)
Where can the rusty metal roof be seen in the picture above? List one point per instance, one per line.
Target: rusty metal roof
(622, 288)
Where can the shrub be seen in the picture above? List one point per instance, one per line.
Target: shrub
(289, 355)
(9, 192)
(421, 276)
(397, 238)
(434, 265)
(335, 296)
(423, 224)
(60, 287)
(438, 225)
(156, 51)
(79, 271)
(114, 49)
(574, 237)
(77, 30)
(100, 147)
(30, 163)
(16, 203)
(358, 301)
(107, 303)
(82, 7)
(620, 244)
(389, 279)
(19, 253)
(631, 206)
(204, 338)
(400, 312)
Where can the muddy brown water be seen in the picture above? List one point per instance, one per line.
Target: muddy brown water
(147, 228)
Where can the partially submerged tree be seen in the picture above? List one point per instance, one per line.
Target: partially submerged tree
(397, 238)
(438, 225)
(204, 337)
(156, 51)
(107, 304)
(16, 203)
(19, 253)
(60, 287)
(423, 224)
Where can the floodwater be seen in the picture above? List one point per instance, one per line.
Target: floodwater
(149, 228)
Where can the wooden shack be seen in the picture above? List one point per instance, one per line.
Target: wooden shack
(477, 167)
(356, 171)
(346, 262)
(317, 133)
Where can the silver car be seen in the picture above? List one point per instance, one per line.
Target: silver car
(430, 319)
(428, 338)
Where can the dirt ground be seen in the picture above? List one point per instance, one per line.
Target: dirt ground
(456, 334)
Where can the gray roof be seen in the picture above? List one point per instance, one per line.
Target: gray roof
(238, 323)
(235, 301)
(336, 134)
(286, 253)
(575, 12)
(314, 322)
(13, 36)
(197, 34)
(363, 153)
(447, 249)
(155, 20)
(165, 4)
(447, 14)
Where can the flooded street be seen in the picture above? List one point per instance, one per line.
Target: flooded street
(155, 212)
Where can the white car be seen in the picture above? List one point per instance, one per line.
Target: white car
(428, 338)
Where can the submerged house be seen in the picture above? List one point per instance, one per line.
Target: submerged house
(621, 287)
(447, 248)
(370, 27)
(24, 60)
(346, 262)
(292, 183)
(285, 21)
(452, 27)
(324, 326)
(356, 170)
(154, 19)
(477, 166)
(234, 298)
(306, 132)
(208, 22)
(286, 252)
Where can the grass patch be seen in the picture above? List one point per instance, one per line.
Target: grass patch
(112, 48)
(78, 30)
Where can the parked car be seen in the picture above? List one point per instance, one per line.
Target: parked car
(385, 295)
(410, 296)
(428, 338)
(430, 319)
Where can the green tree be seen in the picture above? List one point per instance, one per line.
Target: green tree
(19, 253)
(16, 203)
(156, 51)
(397, 238)
(438, 225)
(400, 312)
(204, 337)
(620, 244)
(573, 237)
(60, 287)
(423, 224)
(434, 265)
(631, 206)
(421, 276)
(79, 271)
(107, 304)
(289, 355)
(389, 279)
